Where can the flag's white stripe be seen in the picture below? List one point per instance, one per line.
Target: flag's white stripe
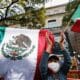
(31, 60)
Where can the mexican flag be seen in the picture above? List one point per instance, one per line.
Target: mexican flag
(76, 18)
(20, 52)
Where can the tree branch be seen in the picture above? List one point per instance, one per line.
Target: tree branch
(5, 19)
(8, 7)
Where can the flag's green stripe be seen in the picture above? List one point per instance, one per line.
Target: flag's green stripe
(76, 14)
(2, 33)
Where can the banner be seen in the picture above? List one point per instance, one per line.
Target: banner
(20, 53)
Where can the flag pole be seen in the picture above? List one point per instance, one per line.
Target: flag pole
(67, 34)
(70, 19)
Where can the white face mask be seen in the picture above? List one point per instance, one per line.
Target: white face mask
(54, 66)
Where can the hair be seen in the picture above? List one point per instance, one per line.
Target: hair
(52, 58)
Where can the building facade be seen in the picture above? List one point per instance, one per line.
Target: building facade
(54, 16)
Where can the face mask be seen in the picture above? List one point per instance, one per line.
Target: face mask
(54, 66)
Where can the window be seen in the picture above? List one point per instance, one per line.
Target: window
(52, 23)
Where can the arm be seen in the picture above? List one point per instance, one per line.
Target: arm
(67, 62)
(44, 65)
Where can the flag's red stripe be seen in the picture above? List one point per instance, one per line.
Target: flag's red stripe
(76, 26)
(41, 48)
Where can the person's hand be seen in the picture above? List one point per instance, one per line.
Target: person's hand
(61, 42)
(49, 43)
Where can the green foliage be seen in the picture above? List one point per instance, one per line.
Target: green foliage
(4, 3)
(31, 19)
(31, 16)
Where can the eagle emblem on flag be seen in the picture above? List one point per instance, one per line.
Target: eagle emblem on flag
(20, 46)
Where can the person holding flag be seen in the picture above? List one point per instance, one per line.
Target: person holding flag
(51, 68)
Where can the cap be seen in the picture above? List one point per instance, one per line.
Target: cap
(53, 56)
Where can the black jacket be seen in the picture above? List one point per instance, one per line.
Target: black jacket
(62, 74)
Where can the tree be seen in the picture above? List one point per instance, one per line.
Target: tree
(24, 12)
(70, 9)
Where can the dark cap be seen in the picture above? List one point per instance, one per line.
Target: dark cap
(53, 57)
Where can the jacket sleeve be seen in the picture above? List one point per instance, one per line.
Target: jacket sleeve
(67, 62)
(44, 65)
